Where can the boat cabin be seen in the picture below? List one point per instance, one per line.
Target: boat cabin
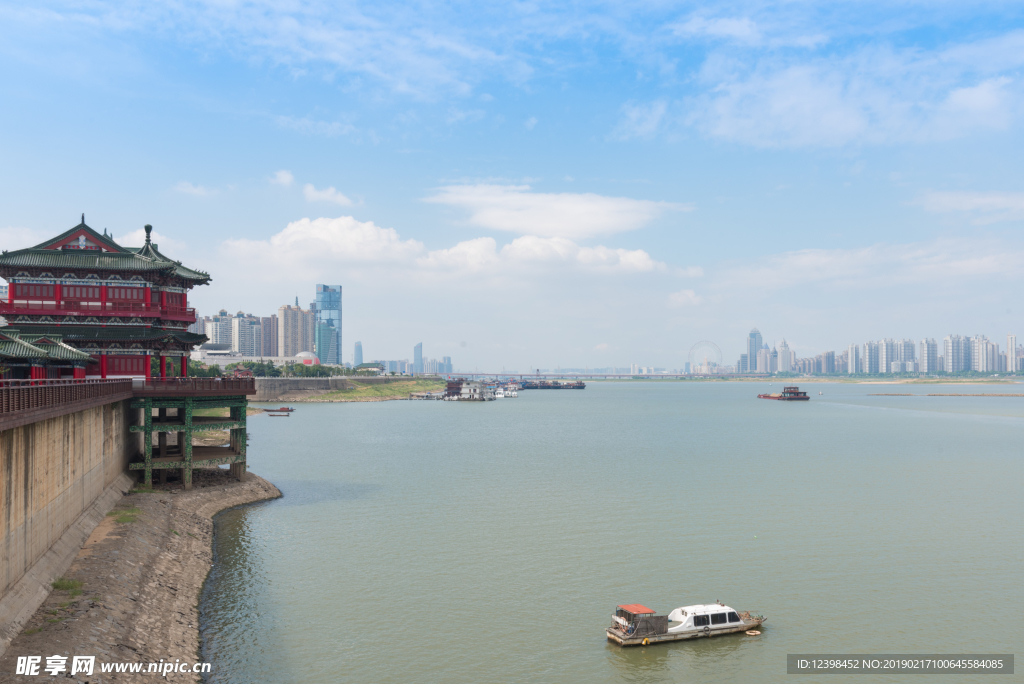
(634, 619)
(713, 616)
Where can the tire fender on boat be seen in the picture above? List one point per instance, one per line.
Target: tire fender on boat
(752, 632)
(707, 631)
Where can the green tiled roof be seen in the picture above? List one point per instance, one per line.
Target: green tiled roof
(56, 348)
(144, 259)
(13, 347)
(47, 347)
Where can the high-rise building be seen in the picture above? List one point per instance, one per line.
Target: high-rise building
(983, 358)
(417, 356)
(358, 358)
(1011, 354)
(785, 357)
(296, 330)
(905, 351)
(828, 362)
(929, 362)
(886, 355)
(327, 309)
(854, 364)
(269, 333)
(956, 353)
(219, 331)
(742, 366)
(764, 360)
(447, 361)
(870, 358)
(246, 335)
(754, 344)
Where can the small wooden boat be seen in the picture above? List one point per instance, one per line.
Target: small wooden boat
(637, 625)
(283, 409)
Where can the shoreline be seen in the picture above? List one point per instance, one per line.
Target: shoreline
(141, 573)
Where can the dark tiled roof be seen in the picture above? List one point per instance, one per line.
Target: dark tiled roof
(14, 345)
(142, 259)
(56, 348)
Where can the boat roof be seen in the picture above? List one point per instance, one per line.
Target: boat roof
(636, 609)
(706, 608)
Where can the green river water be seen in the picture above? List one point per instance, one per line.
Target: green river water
(464, 543)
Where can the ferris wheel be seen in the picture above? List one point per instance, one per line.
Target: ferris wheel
(705, 355)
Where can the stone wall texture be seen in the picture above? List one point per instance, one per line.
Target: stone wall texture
(53, 474)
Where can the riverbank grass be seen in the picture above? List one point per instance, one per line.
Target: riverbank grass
(400, 389)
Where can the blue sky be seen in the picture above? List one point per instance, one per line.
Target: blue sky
(528, 185)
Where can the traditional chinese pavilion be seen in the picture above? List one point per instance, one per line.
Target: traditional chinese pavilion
(80, 293)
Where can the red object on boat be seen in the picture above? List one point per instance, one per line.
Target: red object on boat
(637, 609)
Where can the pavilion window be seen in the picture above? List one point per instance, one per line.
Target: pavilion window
(29, 291)
(81, 293)
(125, 294)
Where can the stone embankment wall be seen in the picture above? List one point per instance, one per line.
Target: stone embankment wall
(58, 478)
(294, 389)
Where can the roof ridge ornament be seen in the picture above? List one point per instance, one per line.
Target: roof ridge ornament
(83, 218)
(149, 229)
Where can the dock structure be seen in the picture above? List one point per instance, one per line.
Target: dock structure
(185, 397)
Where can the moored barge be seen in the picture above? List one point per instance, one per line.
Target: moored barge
(637, 625)
(787, 394)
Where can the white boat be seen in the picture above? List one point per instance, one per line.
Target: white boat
(636, 625)
(499, 393)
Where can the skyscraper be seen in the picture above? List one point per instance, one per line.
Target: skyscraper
(268, 329)
(886, 355)
(417, 358)
(328, 319)
(870, 358)
(296, 330)
(855, 364)
(1011, 354)
(357, 360)
(753, 349)
(246, 336)
(956, 352)
(785, 359)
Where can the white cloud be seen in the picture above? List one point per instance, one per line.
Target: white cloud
(311, 248)
(326, 195)
(330, 129)
(137, 238)
(684, 298)
(640, 120)
(282, 177)
(18, 237)
(881, 266)
(197, 190)
(872, 95)
(601, 347)
(530, 123)
(515, 209)
(989, 207)
(742, 29)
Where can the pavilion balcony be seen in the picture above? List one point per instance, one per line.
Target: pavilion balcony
(194, 387)
(69, 308)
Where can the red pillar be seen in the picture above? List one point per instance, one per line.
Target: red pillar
(103, 297)
(57, 296)
(149, 368)
(163, 300)
(103, 365)
(147, 297)
(10, 294)
(184, 366)
(79, 373)
(163, 367)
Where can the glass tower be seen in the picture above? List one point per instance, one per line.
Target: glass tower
(417, 358)
(328, 323)
(358, 359)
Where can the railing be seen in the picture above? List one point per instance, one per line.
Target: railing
(28, 395)
(196, 385)
(98, 308)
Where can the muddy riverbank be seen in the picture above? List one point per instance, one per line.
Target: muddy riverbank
(132, 593)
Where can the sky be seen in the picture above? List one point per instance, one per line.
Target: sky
(527, 185)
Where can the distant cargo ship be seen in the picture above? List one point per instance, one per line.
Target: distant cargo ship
(787, 394)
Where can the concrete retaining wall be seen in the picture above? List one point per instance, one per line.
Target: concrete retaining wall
(53, 475)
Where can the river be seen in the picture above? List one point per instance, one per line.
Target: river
(463, 543)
